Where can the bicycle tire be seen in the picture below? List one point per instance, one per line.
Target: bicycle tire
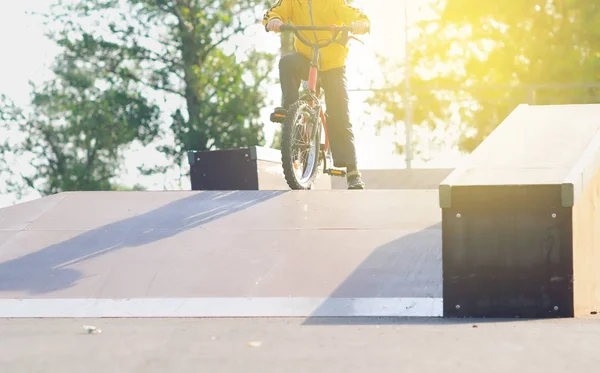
(287, 151)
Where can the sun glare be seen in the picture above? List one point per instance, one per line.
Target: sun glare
(386, 39)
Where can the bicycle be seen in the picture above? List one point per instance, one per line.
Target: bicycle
(307, 115)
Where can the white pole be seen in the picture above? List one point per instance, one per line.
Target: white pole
(407, 104)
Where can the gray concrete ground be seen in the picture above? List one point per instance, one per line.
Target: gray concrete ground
(293, 345)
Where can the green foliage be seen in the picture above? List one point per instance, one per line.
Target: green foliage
(177, 48)
(479, 60)
(119, 57)
(229, 109)
(76, 133)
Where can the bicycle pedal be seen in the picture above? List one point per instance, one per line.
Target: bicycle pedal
(277, 117)
(333, 172)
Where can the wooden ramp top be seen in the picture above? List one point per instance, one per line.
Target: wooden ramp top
(535, 145)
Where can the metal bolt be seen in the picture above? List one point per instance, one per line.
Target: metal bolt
(553, 216)
(458, 216)
(458, 306)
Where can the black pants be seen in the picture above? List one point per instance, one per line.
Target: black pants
(295, 67)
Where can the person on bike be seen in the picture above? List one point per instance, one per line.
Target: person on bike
(294, 67)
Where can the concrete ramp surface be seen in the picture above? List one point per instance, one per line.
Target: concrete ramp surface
(240, 253)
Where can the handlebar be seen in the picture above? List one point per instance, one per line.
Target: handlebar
(335, 30)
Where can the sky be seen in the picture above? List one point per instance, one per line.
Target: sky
(27, 55)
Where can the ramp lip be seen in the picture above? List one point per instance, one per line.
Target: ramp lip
(568, 194)
(445, 196)
(221, 307)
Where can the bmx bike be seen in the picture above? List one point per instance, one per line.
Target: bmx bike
(305, 124)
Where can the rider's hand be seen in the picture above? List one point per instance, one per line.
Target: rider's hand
(274, 25)
(360, 27)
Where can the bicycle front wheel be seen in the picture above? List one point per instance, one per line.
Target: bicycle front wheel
(300, 146)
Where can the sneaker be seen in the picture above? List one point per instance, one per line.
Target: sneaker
(354, 180)
(278, 115)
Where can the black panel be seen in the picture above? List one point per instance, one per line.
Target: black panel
(232, 169)
(511, 260)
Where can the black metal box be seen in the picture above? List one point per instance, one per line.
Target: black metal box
(521, 218)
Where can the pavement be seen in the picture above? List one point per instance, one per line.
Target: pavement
(289, 345)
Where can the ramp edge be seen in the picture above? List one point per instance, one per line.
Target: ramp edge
(582, 173)
(221, 307)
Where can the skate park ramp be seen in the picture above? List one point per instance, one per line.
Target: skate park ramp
(222, 254)
(320, 253)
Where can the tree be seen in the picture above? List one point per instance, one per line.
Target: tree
(478, 60)
(75, 134)
(177, 49)
(119, 57)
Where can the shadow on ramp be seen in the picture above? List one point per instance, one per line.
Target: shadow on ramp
(45, 270)
(406, 269)
(402, 273)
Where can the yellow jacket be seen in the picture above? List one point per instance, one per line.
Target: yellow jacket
(325, 13)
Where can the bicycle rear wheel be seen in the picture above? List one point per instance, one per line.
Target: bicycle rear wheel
(300, 146)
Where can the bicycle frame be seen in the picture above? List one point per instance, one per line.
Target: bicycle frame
(313, 96)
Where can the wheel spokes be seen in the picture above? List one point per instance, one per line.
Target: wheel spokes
(302, 144)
